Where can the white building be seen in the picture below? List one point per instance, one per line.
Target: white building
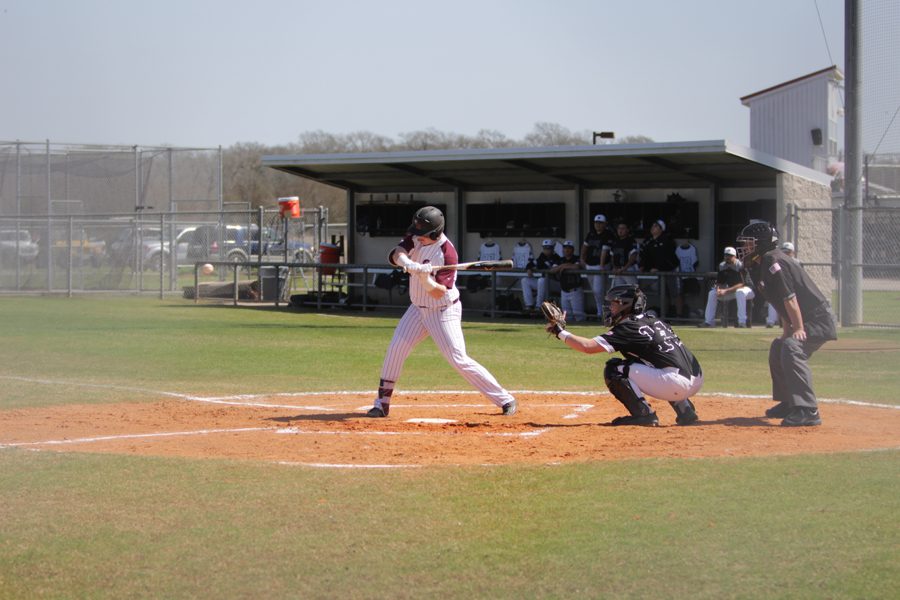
(799, 120)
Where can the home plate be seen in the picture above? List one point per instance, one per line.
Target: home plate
(433, 421)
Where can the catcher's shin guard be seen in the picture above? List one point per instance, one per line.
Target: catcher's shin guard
(616, 376)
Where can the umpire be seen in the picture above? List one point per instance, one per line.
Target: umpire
(805, 315)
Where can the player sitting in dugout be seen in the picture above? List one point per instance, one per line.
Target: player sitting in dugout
(656, 363)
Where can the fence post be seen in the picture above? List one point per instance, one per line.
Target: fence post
(162, 252)
(260, 219)
(69, 258)
(49, 226)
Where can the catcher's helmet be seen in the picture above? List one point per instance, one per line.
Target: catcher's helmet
(632, 299)
(429, 221)
(756, 239)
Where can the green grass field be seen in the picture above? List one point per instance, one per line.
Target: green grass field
(96, 526)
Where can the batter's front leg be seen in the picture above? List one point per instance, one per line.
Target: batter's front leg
(445, 328)
(409, 332)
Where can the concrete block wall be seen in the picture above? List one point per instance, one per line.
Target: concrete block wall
(815, 232)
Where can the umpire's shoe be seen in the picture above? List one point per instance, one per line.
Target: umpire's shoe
(510, 408)
(379, 411)
(650, 420)
(779, 411)
(802, 417)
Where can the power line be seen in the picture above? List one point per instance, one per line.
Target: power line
(827, 47)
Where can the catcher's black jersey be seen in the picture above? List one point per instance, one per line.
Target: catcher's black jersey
(646, 338)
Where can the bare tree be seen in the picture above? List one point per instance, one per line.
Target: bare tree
(248, 181)
(554, 134)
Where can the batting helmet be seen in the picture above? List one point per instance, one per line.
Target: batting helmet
(429, 221)
(756, 239)
(632, 299)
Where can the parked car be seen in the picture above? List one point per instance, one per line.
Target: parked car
(242, 243)
(204, 243)
(146, 243)
(26, 249)
(83, 248)
(273, 246)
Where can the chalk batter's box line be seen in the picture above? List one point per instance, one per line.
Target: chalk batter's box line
(278, 430)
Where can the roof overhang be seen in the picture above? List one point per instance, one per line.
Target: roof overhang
(658, 165)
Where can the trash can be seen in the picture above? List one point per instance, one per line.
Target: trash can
(273, 281)
(329, 254)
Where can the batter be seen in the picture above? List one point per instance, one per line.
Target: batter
(434, 311)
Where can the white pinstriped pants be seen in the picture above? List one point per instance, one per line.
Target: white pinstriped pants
(444, 325)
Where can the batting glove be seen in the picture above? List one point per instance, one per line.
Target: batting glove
(414, 267)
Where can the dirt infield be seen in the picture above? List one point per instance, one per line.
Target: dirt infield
(448, 428)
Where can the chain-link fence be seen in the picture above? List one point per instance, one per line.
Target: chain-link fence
(61, 179)
(879, 267)
(156, 252)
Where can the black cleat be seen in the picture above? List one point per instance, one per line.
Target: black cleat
(510, 408)
(802, 417)
(779, 411)
(650, 420)
(378, 411)
(705, 325)
(688, 417)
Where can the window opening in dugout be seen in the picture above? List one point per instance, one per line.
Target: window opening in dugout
(389, 220)
(732, 217)
(682, 218)
(516, 219)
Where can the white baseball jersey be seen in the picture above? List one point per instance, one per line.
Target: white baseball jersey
(687, 258)
(490, 251)
(522, 255)
(440, 253)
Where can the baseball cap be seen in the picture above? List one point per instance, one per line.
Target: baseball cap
(569, 243)
(599, 218)
(547, 244)
(787, 247)
(729, 251)
(661, 223)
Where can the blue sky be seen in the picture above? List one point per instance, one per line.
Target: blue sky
(209, 73)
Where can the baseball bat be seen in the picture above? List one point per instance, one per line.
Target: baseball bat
(479, 265)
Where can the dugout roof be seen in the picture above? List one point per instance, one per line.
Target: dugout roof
(658, 165)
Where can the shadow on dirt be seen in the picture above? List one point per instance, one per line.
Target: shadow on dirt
(319, 417)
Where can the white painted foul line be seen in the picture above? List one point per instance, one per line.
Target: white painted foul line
(246, 399)
(132, 436)
(432, 421)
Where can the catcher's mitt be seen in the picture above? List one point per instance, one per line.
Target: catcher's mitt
(556, 318)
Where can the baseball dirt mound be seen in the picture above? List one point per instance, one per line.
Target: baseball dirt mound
(449, 428)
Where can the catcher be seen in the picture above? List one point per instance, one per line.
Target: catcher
(656, 362)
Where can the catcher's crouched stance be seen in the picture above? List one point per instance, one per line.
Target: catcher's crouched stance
(656, 362)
